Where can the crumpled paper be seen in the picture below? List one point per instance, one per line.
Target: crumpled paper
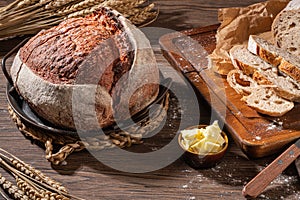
(237, 24)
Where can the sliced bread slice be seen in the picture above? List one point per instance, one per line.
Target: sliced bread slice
(246, 61)
(240, 82)
(284, 87)
(261, 98)
(287, 63)
(286, 31)
(264, 100)
(293, 5)
(262, 73)
(265, 50)
(260, 78)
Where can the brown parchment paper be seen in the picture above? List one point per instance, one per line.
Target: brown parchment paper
(237, 24)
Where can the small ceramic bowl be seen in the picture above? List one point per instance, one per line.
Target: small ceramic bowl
(205, 160)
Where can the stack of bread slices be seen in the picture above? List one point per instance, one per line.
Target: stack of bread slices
(267, 75)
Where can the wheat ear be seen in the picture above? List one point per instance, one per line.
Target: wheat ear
(31, 183)
(29, 16)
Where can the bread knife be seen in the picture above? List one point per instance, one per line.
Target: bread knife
(258, 184)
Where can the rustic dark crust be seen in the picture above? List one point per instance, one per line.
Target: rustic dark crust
(269, 57)
(67, 45)
(247, 69)
(290, 69)
(261, 79)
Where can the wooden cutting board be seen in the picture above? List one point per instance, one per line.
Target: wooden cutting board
(257, 135)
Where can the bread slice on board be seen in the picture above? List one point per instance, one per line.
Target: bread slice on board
(260, 78)
(264, 100)
(287, 63)
(284, 87)
(246, 61)
(240, 82)
(260, 97)
(263, 73)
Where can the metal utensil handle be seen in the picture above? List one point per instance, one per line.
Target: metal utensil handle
(3, 63)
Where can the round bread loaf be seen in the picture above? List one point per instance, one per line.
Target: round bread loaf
(101, 53)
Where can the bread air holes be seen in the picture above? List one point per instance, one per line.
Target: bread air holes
(256, 101)
(292, 25)
(292, 49)
(267, 97)
(278, 102)
(241, 82)
(279, 44)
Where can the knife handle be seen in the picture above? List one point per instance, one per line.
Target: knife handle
(257, 185)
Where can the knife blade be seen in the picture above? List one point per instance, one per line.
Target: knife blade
(258, 184)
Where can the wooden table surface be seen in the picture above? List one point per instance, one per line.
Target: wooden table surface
(88, 178)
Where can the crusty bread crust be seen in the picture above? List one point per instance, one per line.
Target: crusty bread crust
(290, 69)
(285, 87)
(246, 68)
(235, 53)
(248, 62)
(261, 79)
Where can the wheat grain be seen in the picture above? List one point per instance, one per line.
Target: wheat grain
(37, 175)
(32, 172)
(9, 6)
(30, 16)
(28, 186)
(79, 7)
(35, 193)
(26, 3)
(29, 190)
(141, 15)
(12, 190)
(56, 4)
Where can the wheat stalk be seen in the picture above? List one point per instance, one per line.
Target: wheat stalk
(32, 172)
(30, 182)
(37, 175)
(30, 16)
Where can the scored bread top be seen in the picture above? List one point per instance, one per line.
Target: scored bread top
(56, 54)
